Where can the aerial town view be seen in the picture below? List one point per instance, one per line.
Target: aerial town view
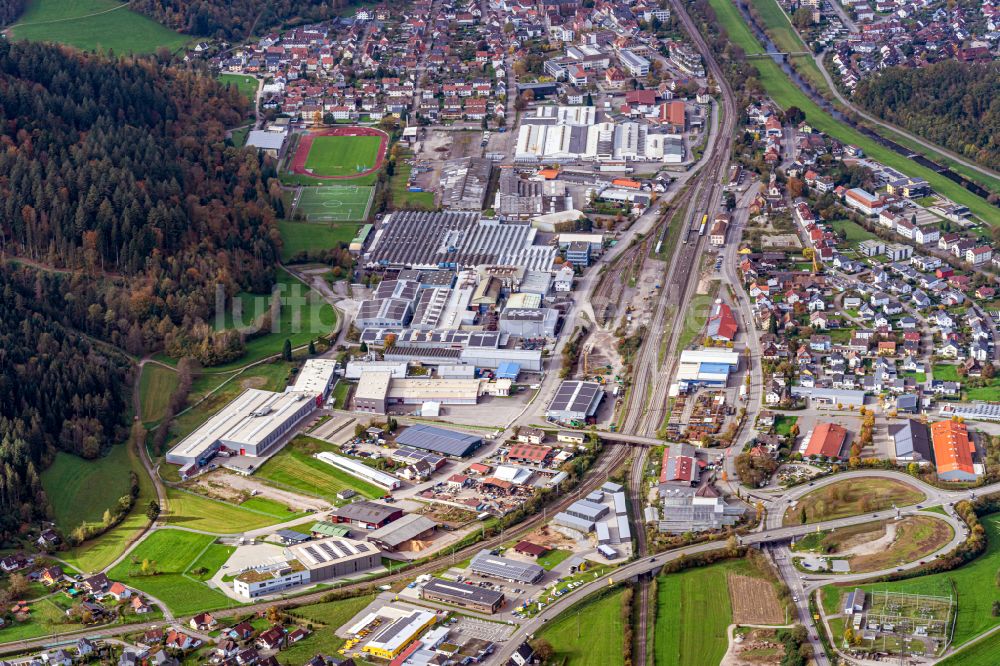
(505, 332)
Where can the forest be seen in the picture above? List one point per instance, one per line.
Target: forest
(10, 10)
(236, 19)
(57, 391)
(119, 171)
(953, 104)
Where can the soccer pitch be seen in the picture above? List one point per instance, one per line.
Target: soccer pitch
(342, 155)
(335, 203)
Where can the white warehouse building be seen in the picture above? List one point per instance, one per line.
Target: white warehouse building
(250, 425)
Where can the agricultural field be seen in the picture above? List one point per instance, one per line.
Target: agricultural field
(155, 386)
(343, 155)
(294, 468)
(169, 555)
(325, 618)
(101, 551)
(974, 585)
(299, 237)
(590, 633)
(981, 653)
(80, 490)
(94, 25)
(336, 203)
(848, 498)
(694, 609)
(245, 84)
(786, 94)
(197, 512)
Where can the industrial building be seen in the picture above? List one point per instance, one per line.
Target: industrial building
(572, 522)
(706, 367)
(360, 470)
(587, 510)
(398, 628)
(529, 323)
(366, 515)
(575, 401)
(828, 398)
(408, 534)
(680, 466)
(439, 440)
(473, 597)
(250, 425)
(722, 325)
(455, 240)
(309, 562)
(912, 442)
(315, 377)
(827, 440)
(464, 182)
(378, 390)
(336, 557)
(523, 198)
(954, 451)
(486, 564)
(691, 510)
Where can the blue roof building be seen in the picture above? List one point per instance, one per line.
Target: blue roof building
(508, 370)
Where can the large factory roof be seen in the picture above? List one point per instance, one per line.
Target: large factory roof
(430, 239)
(441, 440)
(247, 420)
(576, 396)
(315, 376)
(319, 553)
(487, 564)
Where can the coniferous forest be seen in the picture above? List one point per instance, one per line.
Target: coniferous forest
(953, 104)
(119, 170)
(10, 10)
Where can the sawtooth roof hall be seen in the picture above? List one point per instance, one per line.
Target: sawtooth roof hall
(417, 239)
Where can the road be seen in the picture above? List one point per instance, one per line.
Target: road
(777, 535)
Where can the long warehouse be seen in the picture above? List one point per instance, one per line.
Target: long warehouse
(248, 426)
(360, 470)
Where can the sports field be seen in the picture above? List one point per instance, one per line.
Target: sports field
(94, 25)
(335, 203)
(170, 554)
(343, 155)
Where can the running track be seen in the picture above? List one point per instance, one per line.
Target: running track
(306, 141)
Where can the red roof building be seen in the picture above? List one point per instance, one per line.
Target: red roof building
(827, 440)
(529, 453)
(722, 323)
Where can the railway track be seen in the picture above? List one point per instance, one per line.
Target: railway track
(647, 407)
